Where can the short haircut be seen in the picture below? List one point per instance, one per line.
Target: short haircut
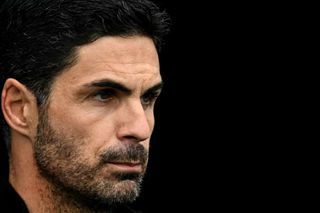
(39, 38)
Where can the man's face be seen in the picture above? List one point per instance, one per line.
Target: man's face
(93, 136)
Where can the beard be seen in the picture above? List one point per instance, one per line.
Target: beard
(61, 160)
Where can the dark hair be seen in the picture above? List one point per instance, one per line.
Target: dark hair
(39, 38)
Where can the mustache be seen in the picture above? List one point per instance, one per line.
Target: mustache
(128, 153)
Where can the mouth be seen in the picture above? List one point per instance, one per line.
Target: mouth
(127, 166)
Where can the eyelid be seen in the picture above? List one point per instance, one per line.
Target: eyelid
(151, 98)
(110, 93)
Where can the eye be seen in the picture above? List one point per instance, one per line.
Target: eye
(149, 99)
(103, 95)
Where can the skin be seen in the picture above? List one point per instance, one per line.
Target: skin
(85, 117)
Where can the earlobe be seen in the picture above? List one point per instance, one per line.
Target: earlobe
(18, 104)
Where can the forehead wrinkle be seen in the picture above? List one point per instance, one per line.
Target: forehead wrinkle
(121, 68)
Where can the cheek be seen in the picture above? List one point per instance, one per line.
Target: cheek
(88, 134)
(81, 121)
(150, 118)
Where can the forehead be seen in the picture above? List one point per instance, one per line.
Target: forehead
(132, 61)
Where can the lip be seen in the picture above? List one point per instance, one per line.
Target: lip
(127, 166)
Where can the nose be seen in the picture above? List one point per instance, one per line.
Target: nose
(135, 124)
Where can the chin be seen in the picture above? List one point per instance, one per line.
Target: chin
(121, 192)
(127, 190)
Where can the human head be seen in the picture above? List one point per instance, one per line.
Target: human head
(48, 45)
(39, 39)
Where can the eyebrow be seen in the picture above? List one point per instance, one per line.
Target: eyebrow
(106, 83)
(109, 84)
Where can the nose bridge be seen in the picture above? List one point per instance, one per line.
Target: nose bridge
(134, 122)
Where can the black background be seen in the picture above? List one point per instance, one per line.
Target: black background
(229, 117)
(222, 118)
(216, 139)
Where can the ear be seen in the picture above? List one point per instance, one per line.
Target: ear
(19, 108)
